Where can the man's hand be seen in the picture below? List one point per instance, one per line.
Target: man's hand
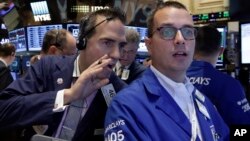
(90, 80)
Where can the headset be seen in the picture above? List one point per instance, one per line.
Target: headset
(82, 40)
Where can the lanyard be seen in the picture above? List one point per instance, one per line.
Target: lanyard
(194, 122)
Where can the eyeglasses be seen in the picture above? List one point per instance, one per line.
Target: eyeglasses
(169, 32)
(128, 52)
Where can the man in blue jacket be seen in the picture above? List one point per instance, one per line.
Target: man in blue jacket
(163, 105)
(56, 84)
(225, 92)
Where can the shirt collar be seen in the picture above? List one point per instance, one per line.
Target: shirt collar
(5, 63)
(169, 84)
(76, 71)
(118, 65)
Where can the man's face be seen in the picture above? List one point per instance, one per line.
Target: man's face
(109, 38)
(171, 57)
(128, 53)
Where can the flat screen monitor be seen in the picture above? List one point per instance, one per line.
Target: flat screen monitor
(35, 35)
(40, 11)
(142, 49)
(74, 29)
(223, 31)
(18, 38)
(143, 31)
(25, 63)
(245, 45)
(15, 66)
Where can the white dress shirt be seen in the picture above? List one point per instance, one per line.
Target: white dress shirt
(182, 95)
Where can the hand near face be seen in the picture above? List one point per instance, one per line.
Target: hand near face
(90, 80)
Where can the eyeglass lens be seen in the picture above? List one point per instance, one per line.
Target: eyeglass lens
(169, 33)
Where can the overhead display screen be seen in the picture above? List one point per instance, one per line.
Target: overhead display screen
(35, 35)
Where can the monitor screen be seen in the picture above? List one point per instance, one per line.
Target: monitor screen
(18, 38)
(35, 35)
(142, 49)
(222, 30)
(16, 65)
(143, 31)
(74, 29)
(245, 46)
(25, 63)
(40, 11)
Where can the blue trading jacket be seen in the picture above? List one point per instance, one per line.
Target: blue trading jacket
(225, 92)
(145, 111)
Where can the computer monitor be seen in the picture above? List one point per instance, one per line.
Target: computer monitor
(244, 40)
(35, 35)
(73, 28)
(142, 52)
(15, 66)
(40, 11)
(223, 31)
(143, 31)
(25, 63)
(142, 49)
(18, 38)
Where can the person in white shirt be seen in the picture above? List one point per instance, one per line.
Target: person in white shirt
(163, 105)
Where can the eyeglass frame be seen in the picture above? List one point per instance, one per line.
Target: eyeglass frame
(176, 30)
(129, 52)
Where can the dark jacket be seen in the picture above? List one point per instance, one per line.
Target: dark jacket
(136, 70)
(5, 76)
(30, 100)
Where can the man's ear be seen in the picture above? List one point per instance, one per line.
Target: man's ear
(52, 50)
(148, 44)
(13, 54)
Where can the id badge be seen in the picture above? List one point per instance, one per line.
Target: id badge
(125, 74)
(108, 92)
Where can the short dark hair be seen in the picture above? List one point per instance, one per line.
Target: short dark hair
(161, 5)
(88, 22)
(208, 40)
(57, 37)
(7, 49)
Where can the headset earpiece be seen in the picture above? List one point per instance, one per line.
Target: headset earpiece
(81, 44)
(82, 41)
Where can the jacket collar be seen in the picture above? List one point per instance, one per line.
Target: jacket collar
(165, 102)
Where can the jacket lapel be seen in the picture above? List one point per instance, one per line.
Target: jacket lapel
(62, 77)
(165, 102)
(203, 117)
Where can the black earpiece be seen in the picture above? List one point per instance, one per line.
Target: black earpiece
(82, 41)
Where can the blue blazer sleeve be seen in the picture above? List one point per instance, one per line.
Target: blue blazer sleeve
(30, 99)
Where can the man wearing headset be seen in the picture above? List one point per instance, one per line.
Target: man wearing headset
(85, 82)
